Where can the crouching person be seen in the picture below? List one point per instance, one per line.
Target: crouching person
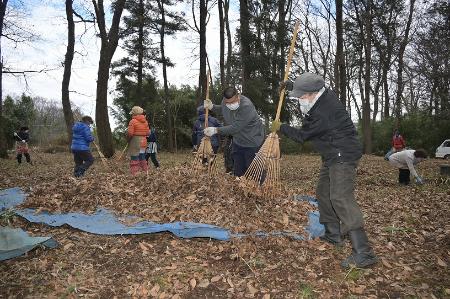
(138, 131)
(333, 134)
(81, 138)
(405, 161)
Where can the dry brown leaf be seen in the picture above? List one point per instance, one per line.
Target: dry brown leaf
(230, 282)
(251, 289)
(192, 283)
(155, 290)
(68, 245)
(358, 289)
(204, 283)
(441, 262)
(216, 278)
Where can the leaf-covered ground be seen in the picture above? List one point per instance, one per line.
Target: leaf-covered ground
(409, 228)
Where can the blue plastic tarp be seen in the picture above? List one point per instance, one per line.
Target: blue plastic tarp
(15, 242)
(106, 223)
(9, 198)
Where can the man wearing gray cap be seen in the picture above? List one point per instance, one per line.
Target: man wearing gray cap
(333, 134)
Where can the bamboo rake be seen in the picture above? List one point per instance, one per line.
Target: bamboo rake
(205, 155)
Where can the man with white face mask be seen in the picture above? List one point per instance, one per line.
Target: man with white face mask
(333, 134)
(243, 123)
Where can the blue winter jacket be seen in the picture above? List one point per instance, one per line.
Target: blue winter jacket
(81, 137)
(197, 131)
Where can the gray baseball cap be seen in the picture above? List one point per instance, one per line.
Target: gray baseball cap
(306, 83)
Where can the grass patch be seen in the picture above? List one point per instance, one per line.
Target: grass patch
(6, 217)
(306, 291)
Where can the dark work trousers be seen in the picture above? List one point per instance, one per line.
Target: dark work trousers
(227, 157)
(242, 158)
(335, 193)
(404, 176)
(83, 160)
(27, 157)
(152, 156)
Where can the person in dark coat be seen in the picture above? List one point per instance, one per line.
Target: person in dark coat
(81, 138)
(152, 148)
(199, 126)
(328, 125)
(22, 138)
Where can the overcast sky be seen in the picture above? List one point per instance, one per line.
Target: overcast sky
(47, 19)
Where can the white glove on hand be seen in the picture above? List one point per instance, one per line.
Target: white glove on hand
(24, 141)
(207, 104)
(209, 131)
(419, 180)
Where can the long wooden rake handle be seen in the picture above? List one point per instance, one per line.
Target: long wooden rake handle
(288, 67)
(122, 152)
(101, 154)
(207, 97)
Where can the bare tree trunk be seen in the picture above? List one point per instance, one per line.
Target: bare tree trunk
(229, 42)
(366, 122)
(65, 97)
(3, 143)
(167, 107)
(222, 44)
(140, 50)
(398, 97)
(202, 74)
(245, 42)
(340, 59)
(281, 33)
(109, 42)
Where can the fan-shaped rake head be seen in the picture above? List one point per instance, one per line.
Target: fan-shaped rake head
(205, 158)
(263, 175)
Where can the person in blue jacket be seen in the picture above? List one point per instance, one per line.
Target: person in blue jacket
(81, 138)
(199, 126)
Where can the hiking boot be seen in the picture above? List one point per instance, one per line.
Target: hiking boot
(332, 233)
(362, 254)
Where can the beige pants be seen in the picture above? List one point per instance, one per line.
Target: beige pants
(135, 145)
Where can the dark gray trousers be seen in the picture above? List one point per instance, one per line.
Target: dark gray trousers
(335, 193)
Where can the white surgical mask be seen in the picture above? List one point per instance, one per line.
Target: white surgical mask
(232, 106)
(305, 105)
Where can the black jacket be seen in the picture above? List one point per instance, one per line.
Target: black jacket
(22, 136)
(330, 129)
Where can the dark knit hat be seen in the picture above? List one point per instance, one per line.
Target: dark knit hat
(87, 119)
(306, 83)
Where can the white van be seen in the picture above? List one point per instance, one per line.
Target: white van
(443, 151)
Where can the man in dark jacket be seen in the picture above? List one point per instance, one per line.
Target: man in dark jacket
(199, 126)
(22, 138)
(81, 138)
(333, 134)
(243, 123)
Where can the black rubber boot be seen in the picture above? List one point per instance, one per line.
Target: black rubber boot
(362, 254)
(19, 158)
(332, 233)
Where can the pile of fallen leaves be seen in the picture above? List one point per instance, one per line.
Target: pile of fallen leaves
(408, 228)
(169, 195)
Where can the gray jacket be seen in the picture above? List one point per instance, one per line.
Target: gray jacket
(244, 123)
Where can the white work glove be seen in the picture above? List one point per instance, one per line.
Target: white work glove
(419, 180)
(209, 131)
(207, 104)
(24, 141)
